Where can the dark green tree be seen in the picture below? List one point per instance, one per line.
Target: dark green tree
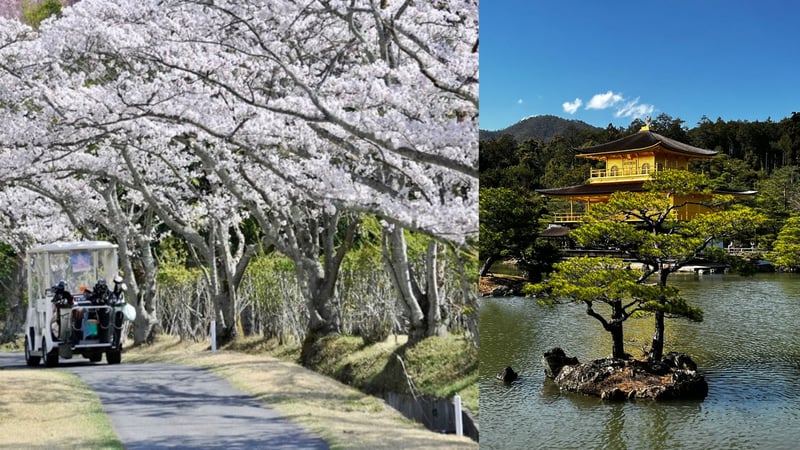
(787, 141)
(666, 126)
(786, 251)
(509, 225)
(635, 126)
(562, 168)
(725, 172)
(778, 198)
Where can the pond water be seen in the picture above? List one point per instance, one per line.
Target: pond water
(748, 346)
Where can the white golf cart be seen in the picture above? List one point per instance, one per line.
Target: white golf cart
(60, 325)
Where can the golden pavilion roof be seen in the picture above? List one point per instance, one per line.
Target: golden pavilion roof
(644, 141)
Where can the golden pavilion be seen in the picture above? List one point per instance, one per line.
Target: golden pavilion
(629, 163)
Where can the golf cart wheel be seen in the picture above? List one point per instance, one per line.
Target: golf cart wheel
(95, 357)
(30, 360)
(50, 359)
(114, 356)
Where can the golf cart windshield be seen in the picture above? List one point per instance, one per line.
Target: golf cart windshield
(80, 264)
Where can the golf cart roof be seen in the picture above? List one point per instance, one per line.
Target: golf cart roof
(70, 246)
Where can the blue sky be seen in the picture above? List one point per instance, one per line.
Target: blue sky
(608, 62)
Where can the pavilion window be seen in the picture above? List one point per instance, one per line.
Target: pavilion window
(629, 168)
(645, 168)
(613, 171)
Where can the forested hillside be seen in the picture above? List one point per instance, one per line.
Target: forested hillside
(752, 155)
(540, 127)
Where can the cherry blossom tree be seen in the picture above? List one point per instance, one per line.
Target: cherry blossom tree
(301, 115)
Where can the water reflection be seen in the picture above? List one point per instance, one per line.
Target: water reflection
(615, 427)
(748, 346)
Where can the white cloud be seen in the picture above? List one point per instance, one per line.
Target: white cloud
(634, 109)
(570, 108)
(623, 106)
(519, 102)
(603, 101)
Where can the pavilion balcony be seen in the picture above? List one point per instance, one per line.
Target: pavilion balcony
(576, 217)
(567, 217)
(624, 174)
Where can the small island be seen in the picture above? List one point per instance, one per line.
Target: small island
(674, 376)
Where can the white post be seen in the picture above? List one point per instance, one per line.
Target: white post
(459, 424)
(213, 336)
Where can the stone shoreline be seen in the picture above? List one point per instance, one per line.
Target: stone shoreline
(500, 286)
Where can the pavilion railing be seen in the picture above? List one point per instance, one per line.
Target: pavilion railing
(575, 217)
(621, 174)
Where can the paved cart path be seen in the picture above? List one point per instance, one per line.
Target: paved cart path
(155, 406)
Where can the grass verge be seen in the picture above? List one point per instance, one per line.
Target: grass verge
(437, 366)
(51, 409)
(342, 415)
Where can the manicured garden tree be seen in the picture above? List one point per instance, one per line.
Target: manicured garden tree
(786, 249)
(644, 227)
(590, 280)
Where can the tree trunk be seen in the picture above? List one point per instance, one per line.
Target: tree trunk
(140, 272)
(469, 299)
(616, 330)
(618, 349)
(657, 348)
(15, 320)
(396, 260)
(434, 269)
(423, 309)
(142, 290)
(318, 290)
(233, 256)
(614, 327)
(487, 264)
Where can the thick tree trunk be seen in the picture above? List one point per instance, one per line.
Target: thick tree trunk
(618, 350)
(318, 291)
(396, 260)
(139, 273)
(434, 268)
(142, 293)
(423, 308)
(317, 276)
(232, 259)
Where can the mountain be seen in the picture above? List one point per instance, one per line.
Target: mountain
(537, 127)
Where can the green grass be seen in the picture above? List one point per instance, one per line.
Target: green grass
(436, 366)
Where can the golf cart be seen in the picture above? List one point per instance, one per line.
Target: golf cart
(90, 321)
